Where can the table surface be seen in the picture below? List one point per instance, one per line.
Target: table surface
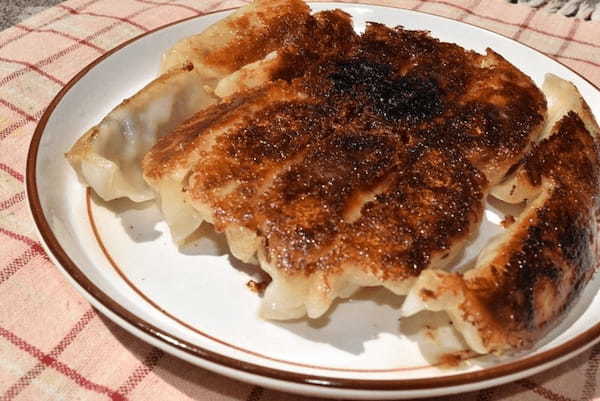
(53, 345)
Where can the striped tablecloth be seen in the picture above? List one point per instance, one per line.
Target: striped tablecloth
(53, 345)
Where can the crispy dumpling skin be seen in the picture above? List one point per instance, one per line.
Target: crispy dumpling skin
(166, 167)
(525, 281)
(362, 167)
(245, 36)
(108, 156)
(562, 97)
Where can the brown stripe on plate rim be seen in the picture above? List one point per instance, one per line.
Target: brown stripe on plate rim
(569, 348)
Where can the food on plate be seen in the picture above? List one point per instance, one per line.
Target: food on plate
(245, 36)
(108, 157)
(369, 167)
(362, 160)
(562, 97)
(526, 279)
(166, 168)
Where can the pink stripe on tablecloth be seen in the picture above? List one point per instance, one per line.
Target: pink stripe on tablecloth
(13, 200)
(569, 37)
(523, 26)
(54, 57)
(21, 261)
(542, 391)
(12, 172)
(20, 237)
(19, 124)
(591, 374)
(581, 60)
(60, 17)
(92, 14)
(147, 366)
(14, 108)
(66, 35)
(52, 362)
(183, 6)
(34, 372)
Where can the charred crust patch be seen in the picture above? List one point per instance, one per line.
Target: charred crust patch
(408, 98)
(548, 261)
(507, 221)
(393, 114)
(554, 255)
(570, 156)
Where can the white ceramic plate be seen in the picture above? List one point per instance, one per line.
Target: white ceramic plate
(195, 304)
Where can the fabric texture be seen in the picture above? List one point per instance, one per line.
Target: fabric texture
(584, 9)
(53, 345)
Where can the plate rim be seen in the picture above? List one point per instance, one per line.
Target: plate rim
(70, 268)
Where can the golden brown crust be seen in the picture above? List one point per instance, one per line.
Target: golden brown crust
(491, 109)
(562, 97)
(171, 150)
(277, 27)
(394, 113)
(524, 286)
(245, 36)
(570, 157)
(359, 166)
(427, 203)
(548, 265)
(545, 267)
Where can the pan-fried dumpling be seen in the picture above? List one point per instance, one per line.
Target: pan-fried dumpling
(289, 61)
(525, 281)
(245, 36)
(108, 156)
(366, 169)
(562, 97)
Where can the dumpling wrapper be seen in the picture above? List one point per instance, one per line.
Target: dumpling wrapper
(108, 156)
(526, 279)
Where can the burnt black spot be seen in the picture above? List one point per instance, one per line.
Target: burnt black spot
(556, 244)
(410, 98)
(572, 237)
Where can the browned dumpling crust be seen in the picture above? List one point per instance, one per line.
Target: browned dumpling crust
(338, 160)
(525, 283)
(108, 156)
(359, 166)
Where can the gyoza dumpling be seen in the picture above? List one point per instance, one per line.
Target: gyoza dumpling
(108, 156)
(244, 37)
(525, 281)
(562, 96)
(368, 167)
(295, 54)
